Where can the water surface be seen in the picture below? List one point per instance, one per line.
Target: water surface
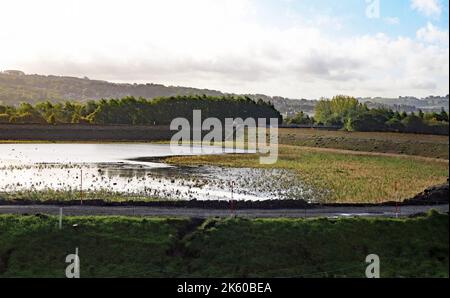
(114, 168)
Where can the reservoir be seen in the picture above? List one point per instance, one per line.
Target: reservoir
(111, 170)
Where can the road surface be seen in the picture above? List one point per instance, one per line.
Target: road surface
(383, 211)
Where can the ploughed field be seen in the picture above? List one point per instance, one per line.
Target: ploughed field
(313, 165)
(435, 146)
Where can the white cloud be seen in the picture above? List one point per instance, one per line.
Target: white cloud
(216, 45)
(427, 7)
(392, 20)
(432, 34)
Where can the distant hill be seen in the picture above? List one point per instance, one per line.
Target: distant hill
(16, 87)
(409, 103)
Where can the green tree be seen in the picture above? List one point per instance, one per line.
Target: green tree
(301, 119)
(420, 114)
(339, 110)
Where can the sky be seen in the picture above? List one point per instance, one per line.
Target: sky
(291, 48)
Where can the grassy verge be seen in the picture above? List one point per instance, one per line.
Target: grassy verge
(385, 142)
(165, 247)
(342, 177)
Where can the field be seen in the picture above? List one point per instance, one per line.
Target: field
(233, 247)
(344, 177)
(385, 142)
(343, 167)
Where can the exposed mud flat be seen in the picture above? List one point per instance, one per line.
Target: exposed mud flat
(201, 183)
(114, 169)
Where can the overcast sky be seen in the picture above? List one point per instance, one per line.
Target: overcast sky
(292, 48)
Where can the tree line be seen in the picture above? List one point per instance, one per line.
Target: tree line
(137, 111)
(351, 115)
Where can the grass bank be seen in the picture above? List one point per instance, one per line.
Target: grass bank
(33, 246)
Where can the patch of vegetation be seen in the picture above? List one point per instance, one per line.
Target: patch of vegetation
(63, 195)
(132, 111)
(347, 112)
(108, 246)
(33, 246)
(342, 177)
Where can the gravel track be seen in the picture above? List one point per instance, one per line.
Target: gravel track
(380, 211)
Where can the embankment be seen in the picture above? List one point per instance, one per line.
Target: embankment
(34, 246)
(81, 132)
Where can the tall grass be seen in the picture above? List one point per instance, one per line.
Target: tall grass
(343, 177)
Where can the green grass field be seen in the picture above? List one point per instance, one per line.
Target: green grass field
(33, 246)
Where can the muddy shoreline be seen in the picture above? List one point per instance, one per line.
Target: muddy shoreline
(435, 195)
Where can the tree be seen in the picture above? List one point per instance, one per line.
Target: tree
(403, 115)
(51, 119)
(443, 116)
(4, 118)
(338, 110)
(372, 120)
(394, 124)
(420, 114)
(413, 123)
(300, 118)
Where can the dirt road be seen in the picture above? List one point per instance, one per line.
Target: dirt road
(368, 153)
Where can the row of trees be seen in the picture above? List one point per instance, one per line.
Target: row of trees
(130, 110)
(300, 118)
(351, 115)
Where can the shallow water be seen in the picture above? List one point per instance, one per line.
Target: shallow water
(113, 168)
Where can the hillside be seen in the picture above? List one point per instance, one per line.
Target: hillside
(16, 87)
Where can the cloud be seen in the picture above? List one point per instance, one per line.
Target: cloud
(433, 35)
(224, 45)
(427, 7)
(392, 20)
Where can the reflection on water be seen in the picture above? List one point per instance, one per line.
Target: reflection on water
(107, 167)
